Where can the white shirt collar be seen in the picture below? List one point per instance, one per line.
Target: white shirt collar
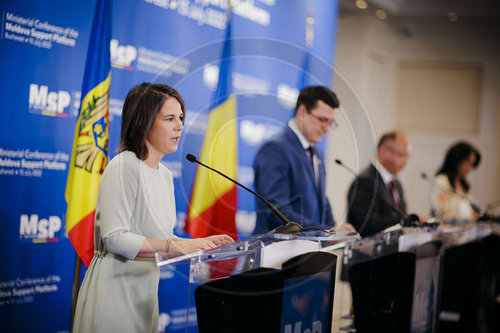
(386, 175)
(295, 129)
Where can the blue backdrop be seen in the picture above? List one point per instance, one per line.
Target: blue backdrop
(42, 55)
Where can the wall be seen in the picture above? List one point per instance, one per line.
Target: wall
(368, 56)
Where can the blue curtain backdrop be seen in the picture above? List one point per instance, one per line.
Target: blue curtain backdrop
(42, 55)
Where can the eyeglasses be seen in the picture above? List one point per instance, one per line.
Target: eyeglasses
(403, 156)
(324, 121)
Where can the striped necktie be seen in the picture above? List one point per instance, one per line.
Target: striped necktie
(395, 195)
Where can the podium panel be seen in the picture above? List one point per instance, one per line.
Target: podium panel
(248, 302)
(382, 292)
(295, 298)
(425, 287)
(469, 287)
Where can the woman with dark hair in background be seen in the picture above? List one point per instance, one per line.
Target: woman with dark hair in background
(135, 217)
(450, 195)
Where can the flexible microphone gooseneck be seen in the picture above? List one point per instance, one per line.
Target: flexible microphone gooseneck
(409, 220)
(287, 227)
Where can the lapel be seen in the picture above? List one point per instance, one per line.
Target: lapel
(321, 181)
(383, 190)
(301, 153)
(321, 172)
(380, 187)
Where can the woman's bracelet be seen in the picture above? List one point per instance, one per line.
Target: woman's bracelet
(167, 248)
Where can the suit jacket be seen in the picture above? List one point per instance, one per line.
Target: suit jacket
(367, 212)
(284, 176)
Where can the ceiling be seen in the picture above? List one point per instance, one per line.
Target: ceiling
(483, 11)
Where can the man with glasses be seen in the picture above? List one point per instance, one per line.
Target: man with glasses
(289, 170)
(375, 198)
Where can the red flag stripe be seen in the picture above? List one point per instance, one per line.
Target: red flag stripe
(217, 219)
(82, 238)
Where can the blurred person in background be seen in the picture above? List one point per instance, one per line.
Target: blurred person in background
(450, 199)
(376, 193)
(290, 170)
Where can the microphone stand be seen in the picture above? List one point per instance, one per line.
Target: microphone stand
(288, 226)
(408, 220)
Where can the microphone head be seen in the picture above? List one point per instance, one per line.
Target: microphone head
(411, 220)
(191, 158)
(339, 162)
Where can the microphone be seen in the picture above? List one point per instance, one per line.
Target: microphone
(351, 171)
(287, 227)
(408, 219)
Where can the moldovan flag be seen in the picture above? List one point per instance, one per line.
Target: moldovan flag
(213, 203)
(90, 146)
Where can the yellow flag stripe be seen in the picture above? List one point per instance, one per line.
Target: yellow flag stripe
(219, 152)
(87, 160)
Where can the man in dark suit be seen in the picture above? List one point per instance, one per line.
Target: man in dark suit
(367, 210)
(289, 170)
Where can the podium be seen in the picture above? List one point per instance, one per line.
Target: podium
(270, 282)
(382, 283)
(417, 280)
(469, 287)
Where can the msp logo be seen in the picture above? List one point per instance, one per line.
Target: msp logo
(254, 134)
(287, 96)
(210, 75)
(122, 56)
(39, 230)
(317, 327)
(245, 220)
(48, 103)
(163, 321)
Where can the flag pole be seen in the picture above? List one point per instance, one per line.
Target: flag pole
(74, 293)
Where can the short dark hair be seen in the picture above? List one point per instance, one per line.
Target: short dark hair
(454, 156)
(389, 136)
(310, 96)
(142, 104)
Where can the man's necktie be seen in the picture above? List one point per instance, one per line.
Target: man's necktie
(395, 195)
(310, 151)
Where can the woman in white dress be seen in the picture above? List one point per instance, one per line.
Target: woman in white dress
(135, 217)
(450, 196)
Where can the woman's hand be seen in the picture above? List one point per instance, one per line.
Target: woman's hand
(220, 240)
(344, 227)
(181, 246)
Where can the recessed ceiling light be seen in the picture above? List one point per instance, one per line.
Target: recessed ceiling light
(361, 4)
(381, 14)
